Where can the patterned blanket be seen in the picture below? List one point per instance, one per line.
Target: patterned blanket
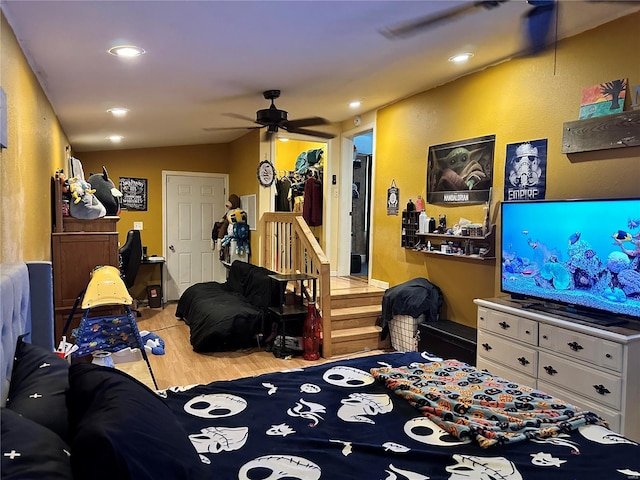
(469, 403)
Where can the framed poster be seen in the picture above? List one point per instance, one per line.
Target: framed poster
(134, 193)
(461, 172)
(525, 175)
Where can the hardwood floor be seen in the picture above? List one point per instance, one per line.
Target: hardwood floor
(180, 365)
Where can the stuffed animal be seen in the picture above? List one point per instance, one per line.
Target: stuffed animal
(84, 205)
(78, 188)
(106, 192)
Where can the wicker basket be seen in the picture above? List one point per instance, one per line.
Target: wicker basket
(404, 332)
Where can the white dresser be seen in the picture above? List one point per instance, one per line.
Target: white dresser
(594, 367)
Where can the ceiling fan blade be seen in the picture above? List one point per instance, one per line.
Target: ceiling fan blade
(538, 24)
(313, 133)
(413, 27)
(211, 129)
(240, 117)
(306, 122)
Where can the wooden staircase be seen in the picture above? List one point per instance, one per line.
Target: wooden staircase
(355, 309)
(350, 307)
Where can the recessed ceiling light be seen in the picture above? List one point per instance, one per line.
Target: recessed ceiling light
(355, 104)
(118, 111)
(461, 57)
(126, 51)
(115, 138)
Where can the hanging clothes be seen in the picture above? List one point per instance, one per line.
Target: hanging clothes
(283, 193)
(312, 207)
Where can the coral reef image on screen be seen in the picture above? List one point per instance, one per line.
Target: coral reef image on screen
(583, 253)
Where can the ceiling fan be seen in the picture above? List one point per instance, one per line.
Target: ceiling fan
(275, 119)
(538, 21)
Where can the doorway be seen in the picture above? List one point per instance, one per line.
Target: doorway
(361, 203)
(192, 203)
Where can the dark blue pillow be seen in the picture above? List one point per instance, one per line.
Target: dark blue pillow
(121, 429)
(39, 381)
(31, 451)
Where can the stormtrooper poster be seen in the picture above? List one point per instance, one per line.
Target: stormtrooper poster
(525, 176)
(461, 172)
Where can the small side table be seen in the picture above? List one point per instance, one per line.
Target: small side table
(290, 313)
(160, 261)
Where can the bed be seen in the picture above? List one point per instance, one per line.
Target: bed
(374, 417)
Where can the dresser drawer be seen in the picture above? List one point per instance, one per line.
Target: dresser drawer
(598, 386)
(612, 417)
(581, 346)
(513, 355)
(510, 326)
(505, 373)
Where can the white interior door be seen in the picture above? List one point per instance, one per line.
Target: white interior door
(193, 202)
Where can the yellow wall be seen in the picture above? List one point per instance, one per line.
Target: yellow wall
(36, 148)
(524, 99)
(243, 179)
(149, 163)
(287, 152)
(521, 100)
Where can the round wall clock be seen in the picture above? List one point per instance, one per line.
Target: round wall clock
(266, 173)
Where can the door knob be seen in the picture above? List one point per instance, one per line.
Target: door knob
(172, 248)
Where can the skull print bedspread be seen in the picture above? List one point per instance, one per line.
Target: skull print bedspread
(335, 421)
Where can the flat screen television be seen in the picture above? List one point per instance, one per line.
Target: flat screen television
(581, 257)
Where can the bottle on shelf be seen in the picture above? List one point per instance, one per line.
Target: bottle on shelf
(423, 222)
(420, 204)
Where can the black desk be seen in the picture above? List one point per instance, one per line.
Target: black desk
(160, 261)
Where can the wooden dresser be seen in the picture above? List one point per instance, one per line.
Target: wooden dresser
(78, 246)
(594, 367)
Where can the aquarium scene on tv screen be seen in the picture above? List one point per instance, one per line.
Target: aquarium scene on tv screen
(582, 253)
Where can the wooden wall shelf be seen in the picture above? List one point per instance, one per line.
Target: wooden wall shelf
(618, 130)
(412, 239)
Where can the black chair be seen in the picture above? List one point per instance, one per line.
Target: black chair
(130, 259)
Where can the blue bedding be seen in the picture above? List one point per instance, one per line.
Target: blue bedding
(335, 421)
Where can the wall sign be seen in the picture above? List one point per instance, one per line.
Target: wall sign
(525, 176)
(134, 193)
(393, 199)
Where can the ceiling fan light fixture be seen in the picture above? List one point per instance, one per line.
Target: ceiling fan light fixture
(118, 111)
(127, 51)
(460, 57)
(115, 138)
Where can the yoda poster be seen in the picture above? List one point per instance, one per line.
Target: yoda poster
(461, 172)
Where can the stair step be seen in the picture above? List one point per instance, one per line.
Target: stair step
(353, 317)
(354, 340)
(356, 299)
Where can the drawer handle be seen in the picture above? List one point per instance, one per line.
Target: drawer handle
(545, 337)
(575, 346)
(486, 346)
(527, 332)
(523, 361)
(504, 325)
(601, 389)
(608, 355)
(550, 370)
